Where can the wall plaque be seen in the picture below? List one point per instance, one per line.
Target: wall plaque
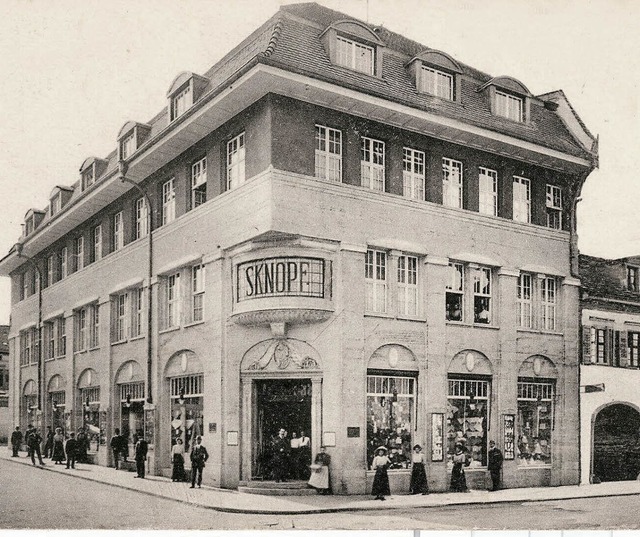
(213, 427)
(353, 432)
(437, 451)
(280, 276)
(509, 437)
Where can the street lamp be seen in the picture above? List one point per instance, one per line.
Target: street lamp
(19, 251)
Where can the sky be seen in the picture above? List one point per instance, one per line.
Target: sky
(74, 71)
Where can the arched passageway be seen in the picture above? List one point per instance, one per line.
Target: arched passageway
(616, 443)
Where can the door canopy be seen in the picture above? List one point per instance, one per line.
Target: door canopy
(280, 354)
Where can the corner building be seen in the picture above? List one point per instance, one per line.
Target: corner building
(353, 236)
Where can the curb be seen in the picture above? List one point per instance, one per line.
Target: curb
(325, 510)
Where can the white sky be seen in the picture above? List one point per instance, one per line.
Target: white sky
(74, 71)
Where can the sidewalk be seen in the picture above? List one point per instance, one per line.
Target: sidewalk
(237, 502)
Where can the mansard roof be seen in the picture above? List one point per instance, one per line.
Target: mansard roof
(604, 283)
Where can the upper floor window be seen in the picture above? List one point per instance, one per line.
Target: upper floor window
(51, 274)
(452, 183)
(355, 55)
(28, 346)
(548, 298)
(599, 345)
(142, 218)
(128, 145)
(328, 154)
(554, 207)
(413, 173)
(537, 300)
(79, 253)
(375, 273)
(55, 205)
(633, 341)
(168, 202)
(87, 327)
(172, 305)
(181, 102)
(64, 262)
(197, 293)
(118, 231)
(136, 311)
(481, 295)
(525, 300)
(407, 285)
(372, 164)
(488, 192)
(97, 243)
(120, 329)
(88, 177)
(235, 162)
(454, 292)
(199, 183)
(437, 82)
(522, 200)
(509, 106)
(632, 278)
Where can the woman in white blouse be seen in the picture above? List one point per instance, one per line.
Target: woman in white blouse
(380, 464)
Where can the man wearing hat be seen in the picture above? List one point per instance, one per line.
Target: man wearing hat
(495, 465)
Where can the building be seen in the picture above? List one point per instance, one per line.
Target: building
(353, 235)
(609, 374)
(5, 415)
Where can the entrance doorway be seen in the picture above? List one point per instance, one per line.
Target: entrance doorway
(616, 443)
(279, 404)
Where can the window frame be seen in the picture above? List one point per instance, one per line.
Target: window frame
(332, 160)
(633, 349)
(198, 277)
(128, 145)
(235, 161)
(548, 307)
(525, 183)
(633, 273)
(451, 169)
(137, 312)
(173, 305)
(525, 303)
(88, 177)
(372, 150)
(141, 218)
(64, 262)
(554, 206)
(408, 282)
(484, 195)
(376, 265)
(79, 252)
(168, 201)
(97, 242)
(180, 101)
(199, 182)
(348, 57)
(484, 297)
(413, 173)
(504, 103)
(431, 84)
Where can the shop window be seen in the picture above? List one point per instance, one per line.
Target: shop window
(375, 273)
(198, 183)
(57, 405)
(554, 207)
(132, 397)
(481, 295)
(187, 406)
(92, 422)
(391, 415)
(408, 285)
(455, 293)
(328, 165)
(467, 418)
(452, 183)
(413, 176)
(372, 164)
(535, 422)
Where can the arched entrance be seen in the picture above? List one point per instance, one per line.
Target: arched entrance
(616, 443)
(57, 402)
(281, 388)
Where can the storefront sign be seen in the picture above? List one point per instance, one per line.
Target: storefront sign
(509, 437)
(281, 276)
(437, 452)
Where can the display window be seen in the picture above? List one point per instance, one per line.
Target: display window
(535, 422)
(57, 406)
(468, 406)
(391, 416)
(92, 423)
(187, 408)
(132, 410)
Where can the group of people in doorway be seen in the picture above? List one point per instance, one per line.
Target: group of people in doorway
(291, 456)
(61, 448)
(418, 483)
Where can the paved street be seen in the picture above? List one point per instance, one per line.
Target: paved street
(33, 498)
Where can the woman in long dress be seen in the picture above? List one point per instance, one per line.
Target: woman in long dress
(320, 472)
(380, 464)
(418, 483)
(177, 458)
(58, 447)
(458, 479)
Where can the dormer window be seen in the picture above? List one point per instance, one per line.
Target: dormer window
(128, 146)
(354, 55)
(88, 178)
(181, 102)
(509, 106)
(55, 205)
(59, 196)
(437, 82)
(32, 220)
(632, 279)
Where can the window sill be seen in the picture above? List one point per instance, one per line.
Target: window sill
(136, 338)
(194, 323)
(473, 325)
(534, 466)
(94, 349)
(120, 342)
(378, 314)
(170, 329)
(410, 318)
(541, 332)
(83, 351)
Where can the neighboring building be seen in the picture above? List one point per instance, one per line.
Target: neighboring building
(610, 370)
(353, 235)
(5, 416)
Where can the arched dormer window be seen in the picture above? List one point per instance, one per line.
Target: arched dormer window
(131, 136)
(436, 73)
(355, 46)
(509, 98)
(58, 198)
(32, 220)
(184, 91)
(91, 169)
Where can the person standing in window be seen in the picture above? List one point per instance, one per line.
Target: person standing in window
(380, 464)
(458, 479)
(495, 465)
(199, 456)
(418, 483)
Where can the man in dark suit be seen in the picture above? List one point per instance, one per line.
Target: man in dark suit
(16, 440)
(33, 439)
(116, 447)
(141, 456)
(71, 450)
(48, 443)
(495, 465)
(281, 448)
(199, 456)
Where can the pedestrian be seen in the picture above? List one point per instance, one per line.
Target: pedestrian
(199, 456)
(177, 458)
(71, 450)
(82, 445)
(458, 479)
(495, 465)
(320, 478)
(48, 444)
(141, 449)
(34, 440)
(57, 450)
(418, 483)
(294, 467)
(380, 464)
(116, 447)
(16, 440)
(304, 455)
(281, 449)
